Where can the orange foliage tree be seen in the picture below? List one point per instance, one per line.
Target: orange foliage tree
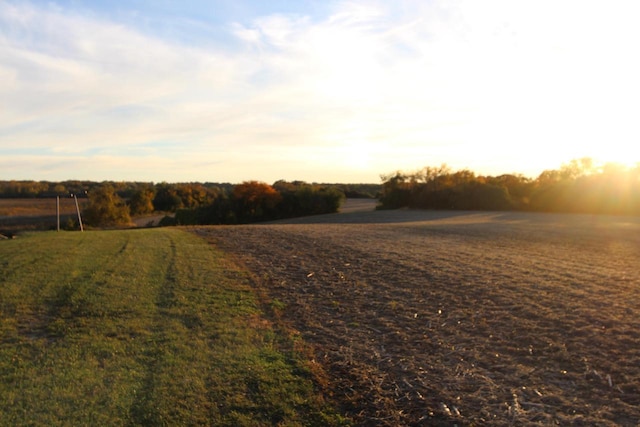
(256, 201)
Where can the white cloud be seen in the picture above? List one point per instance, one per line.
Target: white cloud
(75, 71)
(373, 87)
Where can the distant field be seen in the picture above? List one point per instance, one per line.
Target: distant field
(35, 214)
(36, 207)
(142, 327)
(358, 205)
(468, 318)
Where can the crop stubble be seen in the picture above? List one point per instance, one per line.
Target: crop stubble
(435, 318)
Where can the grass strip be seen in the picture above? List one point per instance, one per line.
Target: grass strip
(140, 327)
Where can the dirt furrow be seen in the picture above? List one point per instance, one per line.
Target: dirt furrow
(517, 319)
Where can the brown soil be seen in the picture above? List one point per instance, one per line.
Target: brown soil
(18, 215)
(444, 318)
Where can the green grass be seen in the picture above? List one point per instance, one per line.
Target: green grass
(144, 327)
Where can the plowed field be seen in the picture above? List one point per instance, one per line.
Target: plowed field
(467, 318)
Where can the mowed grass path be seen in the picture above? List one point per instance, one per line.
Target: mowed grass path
(141, 327)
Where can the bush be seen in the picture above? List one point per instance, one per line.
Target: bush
(106, 209)
(167, 221)
(317, 201)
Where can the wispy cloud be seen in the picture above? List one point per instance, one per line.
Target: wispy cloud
(367, 88)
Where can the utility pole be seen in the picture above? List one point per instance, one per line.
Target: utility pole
(58, 212)
(78, 211)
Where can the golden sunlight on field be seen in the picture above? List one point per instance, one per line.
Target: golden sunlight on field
(35, 207)
(440, 318)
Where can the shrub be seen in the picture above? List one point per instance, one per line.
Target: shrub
(105, 208)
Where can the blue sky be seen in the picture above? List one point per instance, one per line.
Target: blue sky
(321, 91)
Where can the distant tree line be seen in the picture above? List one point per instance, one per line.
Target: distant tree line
(254, 201)
(114, 203)
(186, 192)
(577, 187)
(123, 189)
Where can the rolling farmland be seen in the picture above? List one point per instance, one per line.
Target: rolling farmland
(403, 317)
(436, 318)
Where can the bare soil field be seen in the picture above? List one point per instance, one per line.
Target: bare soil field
(458, 318)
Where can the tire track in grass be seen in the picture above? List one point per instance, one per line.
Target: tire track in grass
(205, 364)
(159, 329)
(59, 331)
(171, 352)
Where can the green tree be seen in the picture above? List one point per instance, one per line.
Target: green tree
(312, 200)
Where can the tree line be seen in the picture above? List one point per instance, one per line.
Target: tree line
(113, 203)
(254, 201)
(248, 202)
(108, 203)
(123, 189)
(577, 187)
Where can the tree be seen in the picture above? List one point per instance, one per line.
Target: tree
(194, 195)
(105, 208)
(312, 200)
(167, 198)
(142, 201)
(517, 186)
(256, 201)
(396, 190)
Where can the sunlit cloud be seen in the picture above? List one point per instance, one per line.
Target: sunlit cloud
(366, 88)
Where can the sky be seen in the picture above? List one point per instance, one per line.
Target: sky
(319, 91)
